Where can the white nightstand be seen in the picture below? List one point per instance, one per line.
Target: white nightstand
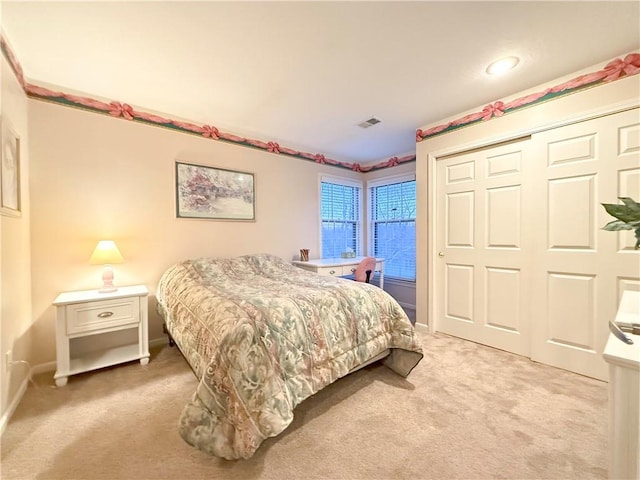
(96, 330)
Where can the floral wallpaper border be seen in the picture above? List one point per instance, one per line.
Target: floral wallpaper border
(614, 70)
(127, 112)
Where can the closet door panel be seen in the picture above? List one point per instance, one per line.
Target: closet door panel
(579, 266)
(483, 242)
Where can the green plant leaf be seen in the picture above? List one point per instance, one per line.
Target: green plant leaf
(631, 203)
(622, 212)
(617, 225)
(628, 217)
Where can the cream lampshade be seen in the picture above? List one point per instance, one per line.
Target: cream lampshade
(106, 253)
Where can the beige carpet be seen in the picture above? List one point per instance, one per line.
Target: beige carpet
(467, 411)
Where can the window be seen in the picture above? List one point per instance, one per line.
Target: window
(340, 204)
(392, 216)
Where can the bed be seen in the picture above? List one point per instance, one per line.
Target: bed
(262, 335)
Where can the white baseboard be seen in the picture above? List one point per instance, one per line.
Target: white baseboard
(44, 368)
(164, 340)
(13, 405)
(421, 327)
(36, 369)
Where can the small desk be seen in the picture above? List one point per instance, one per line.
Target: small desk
(338, 267)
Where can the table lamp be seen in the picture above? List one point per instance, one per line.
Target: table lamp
(106, 253)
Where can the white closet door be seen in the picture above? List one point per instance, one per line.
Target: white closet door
(524, 264)
(484, 247)
(580, 269)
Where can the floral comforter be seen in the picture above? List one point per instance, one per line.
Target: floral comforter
(262, 335)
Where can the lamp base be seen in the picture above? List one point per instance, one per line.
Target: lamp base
(107, 280)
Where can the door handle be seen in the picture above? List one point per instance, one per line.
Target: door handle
(441, 254)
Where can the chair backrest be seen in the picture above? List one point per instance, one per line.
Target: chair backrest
(367, 264)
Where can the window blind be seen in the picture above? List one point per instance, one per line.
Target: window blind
(393, 227)
(340, 218)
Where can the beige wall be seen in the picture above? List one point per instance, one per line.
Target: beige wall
(15, 268)
(528, 120)
(95, 177)
(79, 157)
(88, 177)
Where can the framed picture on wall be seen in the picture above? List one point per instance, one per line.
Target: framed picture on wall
(9, 171)
(214, 193)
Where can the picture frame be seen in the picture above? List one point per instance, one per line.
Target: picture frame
(10, 198)
(214, 193)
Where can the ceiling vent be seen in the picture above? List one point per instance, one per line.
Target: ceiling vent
(368, 123)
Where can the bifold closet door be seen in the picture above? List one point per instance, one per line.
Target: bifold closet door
(484, 246)
(581, 270)
(522, 261)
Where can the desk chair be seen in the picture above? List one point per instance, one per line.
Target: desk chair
(365, 270)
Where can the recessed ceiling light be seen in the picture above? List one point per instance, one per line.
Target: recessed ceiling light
(503, 65)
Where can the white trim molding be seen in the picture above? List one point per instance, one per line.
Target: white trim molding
(44, 368)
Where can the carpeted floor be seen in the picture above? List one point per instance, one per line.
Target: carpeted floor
(466, 412)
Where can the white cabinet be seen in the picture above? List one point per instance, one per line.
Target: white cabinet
(96, 330)
(624, 393)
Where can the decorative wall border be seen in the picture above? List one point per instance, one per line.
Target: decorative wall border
(614, 70)
(127, 112)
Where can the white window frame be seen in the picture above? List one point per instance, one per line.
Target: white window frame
(379, 182)
(348, 182)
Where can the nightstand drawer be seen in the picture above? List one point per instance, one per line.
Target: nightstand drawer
(90, 316)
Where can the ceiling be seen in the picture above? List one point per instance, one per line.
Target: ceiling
(305, 74)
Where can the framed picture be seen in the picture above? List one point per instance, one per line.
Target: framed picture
(10, 171)
(214, 193)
